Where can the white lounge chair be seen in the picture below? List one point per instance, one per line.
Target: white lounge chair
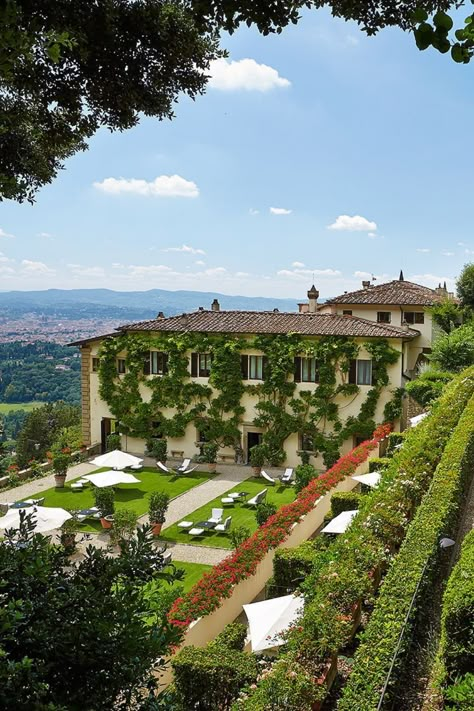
(163, 467)
(267, 477)
(77, 486)
(183, 466)
(258, 498)
(223, 527)
(135, 467)
(35, 502)
(187, 471)
(228, 500)
(167, 558)
(287, 476)
(186, 525)
(196, 531)
(216, 516)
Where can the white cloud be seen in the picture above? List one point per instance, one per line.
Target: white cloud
(30, 267)
(162, 186)
(447, 254)
(305, 274)
(245, 74)
(298, 265)
(81, 271)
(4, 258)
(214, 271)
(363, 275)
(6, 234)
(423, 250)
(149, 270)
(356, 223)
(45, 235)
(200, 263)
(461, 244)
(185, 248)
(242, 274)
(280, 211)
(372, 235)
(253, 211)
(432, 280)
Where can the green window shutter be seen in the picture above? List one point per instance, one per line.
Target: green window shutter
(353, 372)
(194, 365)
(297, 374)
(244, 366)
(146, 365)
(165, 363)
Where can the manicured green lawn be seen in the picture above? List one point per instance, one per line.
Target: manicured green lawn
(193, 572)
(127, 496)
(242, 515)
(10, 406)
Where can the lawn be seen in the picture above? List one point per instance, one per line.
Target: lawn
(193, 572)
(127, 496)
(242, 515)
(10, 406)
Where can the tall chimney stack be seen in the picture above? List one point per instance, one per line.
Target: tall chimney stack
(215, 306)
(366, 284)
(313, 295)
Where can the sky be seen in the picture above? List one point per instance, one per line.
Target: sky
(318, 155)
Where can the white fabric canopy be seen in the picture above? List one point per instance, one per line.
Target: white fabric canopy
(341, 523)
(111, 478)
(270, 618)
(116, 460)
(47, 519)
(414, 421)
(370, 479)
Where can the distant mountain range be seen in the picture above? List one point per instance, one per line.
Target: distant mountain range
(127, 305)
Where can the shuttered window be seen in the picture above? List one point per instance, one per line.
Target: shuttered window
(306, 370)
(201, 365)
(360, 372)
(121, 367)
(156, 363)
(253, 367)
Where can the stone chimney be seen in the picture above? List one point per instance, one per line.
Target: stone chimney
(366, 284)
(160, 314)
(215, 306)
(313, 295)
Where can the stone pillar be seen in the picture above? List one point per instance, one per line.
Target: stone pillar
(86, 394)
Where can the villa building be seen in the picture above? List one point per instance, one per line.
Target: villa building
(313, 381)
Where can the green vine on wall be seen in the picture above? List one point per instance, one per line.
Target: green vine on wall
(174, 400)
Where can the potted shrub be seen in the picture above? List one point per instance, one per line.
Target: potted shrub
(257, 458)
(159, 450)
(68, 534)
(61, 463)
(209, 455)
(125, 523)
(105, 502)
(157, 509)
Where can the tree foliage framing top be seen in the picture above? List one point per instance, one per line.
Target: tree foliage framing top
(69, 67)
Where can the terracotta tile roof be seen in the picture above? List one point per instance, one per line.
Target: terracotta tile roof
(271, 322)
(399, 293)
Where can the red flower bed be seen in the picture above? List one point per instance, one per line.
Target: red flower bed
(217, 584)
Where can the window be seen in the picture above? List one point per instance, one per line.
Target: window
(201, 365)
(384, 316)
(306, 370)
(156, 429)
(156, 363)
(121, 369)
(306, 443)
(95, 365)
(414, 316)
(347, 312)
(253, 367)
(360, 372)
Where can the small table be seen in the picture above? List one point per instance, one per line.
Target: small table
(21, 505)
(88, 512)
(206, 524)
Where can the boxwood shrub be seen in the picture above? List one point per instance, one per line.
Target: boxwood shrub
(291, 566)
(378, 464)
(419, 553)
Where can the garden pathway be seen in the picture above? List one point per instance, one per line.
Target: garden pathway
(36, 486)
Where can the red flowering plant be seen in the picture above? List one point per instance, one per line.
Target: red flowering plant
(216, 585)
(13, 468)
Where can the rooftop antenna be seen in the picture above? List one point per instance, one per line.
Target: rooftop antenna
(374, 278)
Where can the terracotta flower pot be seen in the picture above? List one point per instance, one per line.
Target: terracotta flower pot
(59, 480)
(257, 470)
(156, 528)
(211, 466)
(107, 521)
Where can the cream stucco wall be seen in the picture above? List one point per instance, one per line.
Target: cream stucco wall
(186, 446)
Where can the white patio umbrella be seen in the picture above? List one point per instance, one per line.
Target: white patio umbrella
(414, 421)
(116, 460)
(47, 519)
(111, 478)
(270, 618)
(370, 479)
(340, 523)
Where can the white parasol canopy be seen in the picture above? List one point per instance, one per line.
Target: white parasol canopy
(111, 478)
(270, 618)
(414, 421)
(370, 479)
(116, 460)
(341, 523)
(47, 519)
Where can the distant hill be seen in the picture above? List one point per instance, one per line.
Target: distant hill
(128, 305)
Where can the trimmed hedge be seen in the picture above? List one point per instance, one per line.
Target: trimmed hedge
(345, 501)
(437, 515)
(457, 622)
(344, 573)
(291, 566)
(379, 464)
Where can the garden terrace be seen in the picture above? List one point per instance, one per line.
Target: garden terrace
(344, 573)
(134, 497)
(242, 515)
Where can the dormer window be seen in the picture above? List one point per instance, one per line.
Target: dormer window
(384, 316)
(414, 317)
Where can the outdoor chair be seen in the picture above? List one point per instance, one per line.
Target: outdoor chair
(35, 502)
(223, 527)
(163, 467)
(135, 467)
(185, 471)
(258, 498)
(184, 465)
(216, 516)
(77, 486)
(267, 477)
(228, 500)
(287, 476)
(166, 558)
(196, 531)
(186, 525)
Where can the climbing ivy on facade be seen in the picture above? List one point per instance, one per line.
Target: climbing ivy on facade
(165, 404)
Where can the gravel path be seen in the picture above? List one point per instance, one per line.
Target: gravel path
(197, 554)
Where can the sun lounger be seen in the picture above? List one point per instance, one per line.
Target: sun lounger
(223, 527)
(258, 498)
(267, 477)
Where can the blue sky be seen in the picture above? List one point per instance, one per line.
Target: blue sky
(337, 129)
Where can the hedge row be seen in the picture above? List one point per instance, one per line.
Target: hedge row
(216, 585)
(415, 563)
(457, 622)
(343, 574)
